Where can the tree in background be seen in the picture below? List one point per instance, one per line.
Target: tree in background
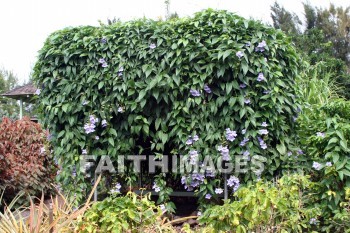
(325, 38)
(8, 107)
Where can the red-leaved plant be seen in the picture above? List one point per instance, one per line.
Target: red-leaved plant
(26, 163)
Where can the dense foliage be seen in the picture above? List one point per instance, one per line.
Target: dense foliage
(267, 207)
(145, 87)
(128, 213)
(8, 107)
(26, 164)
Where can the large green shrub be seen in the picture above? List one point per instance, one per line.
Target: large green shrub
(152, 84)
(26, 163)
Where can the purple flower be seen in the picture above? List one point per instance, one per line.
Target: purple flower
(121, 69)
(84, 102)
(104, 123)
(101, 61)
(225, 152)
(219, 190)
(230, 135)
(245, 140)
(263, 131)
(89, 128)
(242, 86)
(239, 54)
(264, 124)
(244, 131)
(104, 65)
(317, 166)
(152, 46)
(193, 157)
(38, 91)
(300, 152)
(328, 164)
(93, 119)
(207, 196)
(162, 207)
(207, 89)
(320, 134)
(121, 109)
(246, 153)
(260, 77)
(233, 182)
(199, 213)
(195, 138)
(266, 92)
(289, 153)
(97, 138)
(195, 93)
(183, 180)
(247, 101)
(116, 188)
(84, 152)
(262, 143)
(313, 221)
(103, 40)
(248, 44)
(261, 46)
(156, 187)
(189, 141)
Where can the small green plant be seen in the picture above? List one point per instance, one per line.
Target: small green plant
(120, 214)
(266, 207)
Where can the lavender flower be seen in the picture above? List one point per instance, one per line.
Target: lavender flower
(38, 91)
(225, 152)
(121, 69)
(104, 65)
(233, 182)
(317, 166)
(262, 143)
(104, 123)
(242, 86)
(152, 46)
(245, 140)
(103, 40)
(247, 101)
(261, 46)
(248, 44)
(244, 131)
(189, 141)
(300, 152)
(101, 61)
(84, 152)
(246, 153)
(93, 120)
(195, 93)
(162, 207)
(199, 213)
(208, 196)
(266, 92)
(206, 89)
(313, 221)
(195, 138)
(328, 164)
(116, 188)
(320, 134)
(193, 157)
(260, 77)
(84, 102)
(97, 137)
(219, 190)
(121, 109)
(230, 135)
(264, 124)
(239, 54)
(156, 187)
(289, 153)
(89, 128)
(263, 131)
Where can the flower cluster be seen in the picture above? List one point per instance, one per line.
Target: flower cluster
(230, 135)
(91, 125)
(261, 46)
(195, 93)
(195, 180)
(191, 139)
(317, 166)
(116, 188)
(225, 152)
(193, 157)
(102, 62)
(262, 143)
(156, 187)
(233, 182)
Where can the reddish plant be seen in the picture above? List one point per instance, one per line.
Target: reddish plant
(26, 163)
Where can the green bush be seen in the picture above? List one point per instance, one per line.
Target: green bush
(266, 207)
(26, 164)
(152, 84)
(129, 213)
